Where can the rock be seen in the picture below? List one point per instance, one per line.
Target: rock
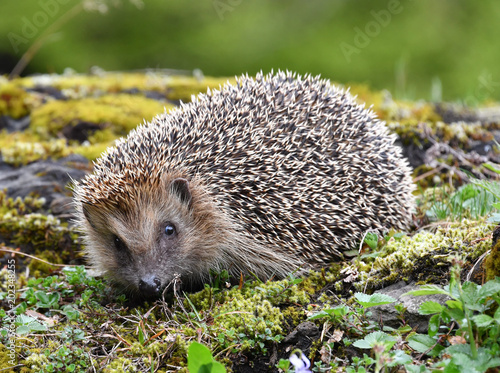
(488, 114)
(387, 313)
(48, 91)
(80, 131)
(302, 336)
(14, 125)
(45, 178)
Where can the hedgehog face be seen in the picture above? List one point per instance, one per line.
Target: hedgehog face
(142, 248)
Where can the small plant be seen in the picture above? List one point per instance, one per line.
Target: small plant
(376, 243)
(492, 187)
(475, 310)
(47, 293)
(468, 201)
(355, 319)
(200, 360)
(357, 323)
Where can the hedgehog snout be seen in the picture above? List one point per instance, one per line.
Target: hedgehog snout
(150, 286)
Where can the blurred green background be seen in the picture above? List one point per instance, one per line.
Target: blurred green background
(427, 49)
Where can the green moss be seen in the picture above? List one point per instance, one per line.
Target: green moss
(120, 365)
(251, 316)
(39, 230)
(93, 151)
(294, 315)
(5, 359)
(23, 226)
(15, 101)
(183, 88)
(180, 351)
(420, 255)
(36, 361)
(492, 262)
(121, 113)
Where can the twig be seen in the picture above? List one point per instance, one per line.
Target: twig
(428, 173)
(3, 249)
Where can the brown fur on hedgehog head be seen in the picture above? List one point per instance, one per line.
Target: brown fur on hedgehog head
(142, 244)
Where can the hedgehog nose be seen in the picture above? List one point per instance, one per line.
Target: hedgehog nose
(150, 286)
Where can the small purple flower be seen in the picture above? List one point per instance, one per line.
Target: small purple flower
(300, 362)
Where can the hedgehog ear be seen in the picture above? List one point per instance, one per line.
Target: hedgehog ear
(180, 187)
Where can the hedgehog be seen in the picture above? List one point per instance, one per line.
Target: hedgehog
(263, 177)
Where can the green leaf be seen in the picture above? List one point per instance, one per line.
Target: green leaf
(456, 314)
(470, 295)
(399, 357)
(376, 299)
(422, 343)
(434, 323)
(428, 290)
(70, 312)
(141, 336)
(22, 330)
(497, 315)
(482, 320)
(490, 288)
(331, 313)
(491, 167)
(37, 326)
(494, 218)
(200, 360)
(375, 338)
(430, 307)
(319, 315)
(454, 304)
(42, 296)
(398, 236)
(404, 329)
(415, 368)
(449, 367)
(371, 239)
(47, 300)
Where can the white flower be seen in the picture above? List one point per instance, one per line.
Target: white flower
(300, 362)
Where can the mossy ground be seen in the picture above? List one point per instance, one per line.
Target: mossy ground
(69, 321)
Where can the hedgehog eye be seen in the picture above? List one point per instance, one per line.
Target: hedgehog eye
(119, 244)
(169, 230)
